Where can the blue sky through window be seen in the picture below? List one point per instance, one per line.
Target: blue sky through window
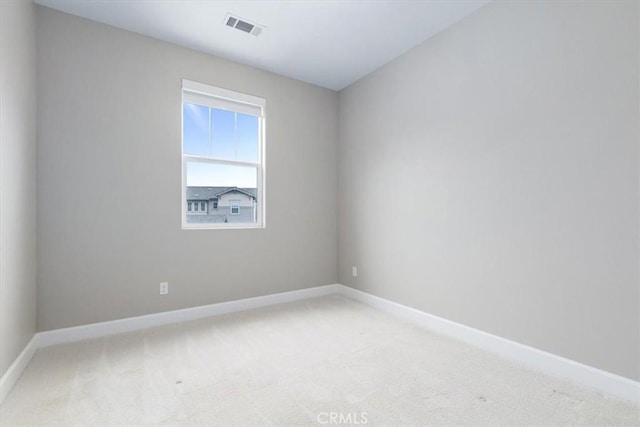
(221, 134)
(214, 175)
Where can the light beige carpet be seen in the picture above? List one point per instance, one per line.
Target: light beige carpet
(325, 361)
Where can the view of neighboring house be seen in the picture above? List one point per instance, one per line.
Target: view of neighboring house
(221, 204)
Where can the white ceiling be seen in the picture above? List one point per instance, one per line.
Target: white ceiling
(329, 43)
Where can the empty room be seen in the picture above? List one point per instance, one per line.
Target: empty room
(319, 212)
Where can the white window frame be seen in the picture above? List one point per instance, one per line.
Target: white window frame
(204, 94)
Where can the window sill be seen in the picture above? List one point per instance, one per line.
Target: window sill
(226, 226)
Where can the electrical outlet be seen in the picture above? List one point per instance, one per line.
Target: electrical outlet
(354, 271)
(164, 288)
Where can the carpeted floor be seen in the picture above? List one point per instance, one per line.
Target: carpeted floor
(325, 361)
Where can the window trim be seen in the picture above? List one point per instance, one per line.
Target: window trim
(233, 101)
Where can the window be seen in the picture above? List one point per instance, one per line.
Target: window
(195, 207)
(235, 207)
(222, 157)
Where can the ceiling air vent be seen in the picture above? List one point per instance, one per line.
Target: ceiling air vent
(243, 25)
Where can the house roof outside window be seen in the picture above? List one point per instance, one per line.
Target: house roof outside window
(208, 193)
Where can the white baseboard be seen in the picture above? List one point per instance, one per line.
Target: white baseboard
(15, 370)
(130, 324)
(547, 363)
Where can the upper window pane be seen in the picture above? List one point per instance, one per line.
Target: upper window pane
(220, 134)
(223, 132)
(196, 134)
(247, 135)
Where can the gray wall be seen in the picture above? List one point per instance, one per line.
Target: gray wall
(17, 179)
(507, 148)
(109, 207)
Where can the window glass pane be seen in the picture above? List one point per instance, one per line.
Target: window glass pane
(217, 175)
(247, 138)
(221, 134)
(196, 127)
(223, 131)
(234, 188)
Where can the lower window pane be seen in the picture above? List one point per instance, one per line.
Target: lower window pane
(221, 193)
